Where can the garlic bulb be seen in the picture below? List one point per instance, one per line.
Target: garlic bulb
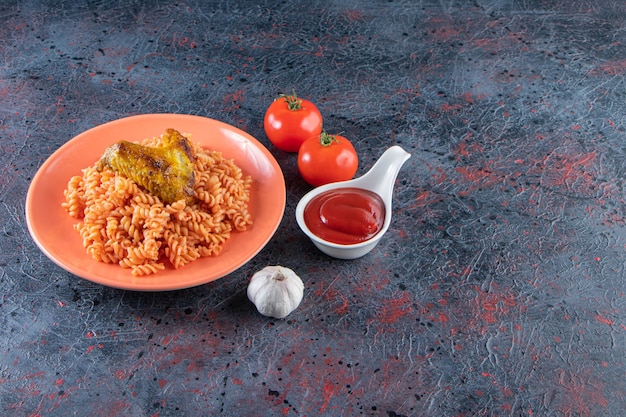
(276, 291)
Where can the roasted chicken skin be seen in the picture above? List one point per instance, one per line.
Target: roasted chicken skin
(166, 171)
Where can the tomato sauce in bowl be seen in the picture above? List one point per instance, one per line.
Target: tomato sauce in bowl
(345, 215)
(347, 219)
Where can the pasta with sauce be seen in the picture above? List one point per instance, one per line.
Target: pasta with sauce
(121, 223)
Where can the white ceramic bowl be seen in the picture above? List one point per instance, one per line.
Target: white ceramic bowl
(379, 179)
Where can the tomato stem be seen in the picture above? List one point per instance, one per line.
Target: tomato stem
(327, 139)
(293, 102)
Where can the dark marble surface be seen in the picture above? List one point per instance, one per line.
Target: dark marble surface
(499, 289)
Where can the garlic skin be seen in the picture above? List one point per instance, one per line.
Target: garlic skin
(276, 291)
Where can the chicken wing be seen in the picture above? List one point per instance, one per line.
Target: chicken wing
(166, 171)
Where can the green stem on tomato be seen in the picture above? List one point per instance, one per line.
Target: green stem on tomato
(327, 139)
(293, 102)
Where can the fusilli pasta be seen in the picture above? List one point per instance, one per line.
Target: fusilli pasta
(121, 223)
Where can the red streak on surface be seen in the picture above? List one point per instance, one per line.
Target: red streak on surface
(450, 107)
(343, 308)
(236, 97)
(473, 174)
(582, 390)
(329, 391)
(604, 320)
(446, 29)
(616, 67)
(395, 309)
(491, 306)
(565, 170)
(354, 15)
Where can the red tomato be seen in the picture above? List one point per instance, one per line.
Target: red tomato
(291, 120)
(327, 158)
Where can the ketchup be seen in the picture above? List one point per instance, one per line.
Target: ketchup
(345, 215)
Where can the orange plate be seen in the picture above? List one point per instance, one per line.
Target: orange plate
(51, 226)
